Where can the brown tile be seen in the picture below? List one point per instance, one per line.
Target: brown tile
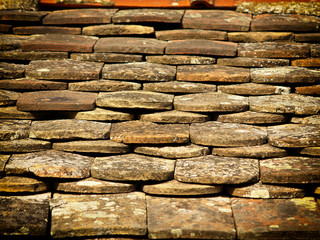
(130, 45)
(32, 84)
(180, 60)
(23, 16)
(46, 30)
(192, 218)
(140, 132)
(314, 119)
(308, 62)
(5, 28)
(10, 42)
(106, 57)
(253, 89)
(101, 114)
(103, 86)
(183, 34)
(259, 36)
(79, 16)
(3, 161)
(216, 19)
(315, 50)
(16, 184)
(148, 15)
(63, 70)
(276, 218)
(28, 56)
(290, 23)
(14, 129)
(8, 98)
(289, 170)
(11, 112)
(201, 47)
(11, 70)
(60, 43)
(307, 37)
(117, 30)
(308, 90)
(253, 62)
(311, 151)
(24, 146)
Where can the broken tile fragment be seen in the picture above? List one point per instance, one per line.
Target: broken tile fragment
(210, 102)
(24, 145)
(63, 70)
(23, 16)
(96, 146)
(259, 36)
(253, 89)
(100, 114)
(178, 87)
(201, 47)
(69, 129)
(79, 16)
(307, 37)
(311, 151)
(276, 218)
(130, 45)
(56, 101)
(290, 170)
(106, 57)
(175, 188)
(8, 98)
(11, 70)
(24, 215)
(11, 112)
(192, 218)
(294, 135)
(140, 71)
(135, 100)
(31, 84)
(50, 164)
(224, 20)
(212, 73)
(118, 30)
(29, 30)
(148, 15)
(103, 86)
(132, 167)
(173, 152)
(98, 215)
(217, 170)
(14, 129)
(140, 132)
(227, 134)
(183, 34)
(92, 185)
(28, 56)
(174, 116)
(308, 90)
(287, 103)
(260, 190)
(259, 151)
(307, 62)
(286, 23)
(253, 62)
(16, 184)
(249, 117)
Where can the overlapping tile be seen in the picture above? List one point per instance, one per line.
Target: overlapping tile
(174, 116)
(315, 50)
(253, 62)
(181, 60)
(11, 112)
(106, 57)
(132, 167)
(3, 161)
(308, 90)
(253, 89)
(103, 86)
(179, 87)
(259, 36)
(46, 30)
(11, 70)
(111, 29)
(31, 84)
(24, 145)
(8, 98)
(10, 42)
(24, 16)
(308, 62)
(182, 34)
(311, 151)
(14, 129)
(19, 55)
(307, 37)
(101, 114)
(16, 184)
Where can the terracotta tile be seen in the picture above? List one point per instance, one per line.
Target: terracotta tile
(307, 37)
(118, 30)
(32, 84)
(11, 70)
(308, 90)
(180, 60)
(24, 146)
(103, 86)
(252, 89)
(183, 34)
(106, 57)
(253, 62)
(46, 30)
(23, 16)
(10, 42)
(27, 56)
(101, 114)
(259, 36)
(315, 50)
(8, 98)
(308, 62)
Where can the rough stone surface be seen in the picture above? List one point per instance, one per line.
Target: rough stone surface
(8, 98)
(14, 129)
(174, 116)
(140, 132)
(308, 62)
(201, 47)
(181, 60)
(287, 23)
(307, 37)
(23, 16)
(15, 184)
(315, 50)
(179, 87)
(69, 129)
(100, 114)
(211, 102)
(216, 20)
(130, 45)
(97, 146)
(63, 70)
(56, 101)
(260, 190)
(217, 170)
(260, 151)
(60, 43)
(183, 34)
(135, 100)
(252, 89)
(79, 16)
(249, 117)
(106, 57)
(308, 90)
(227, 134)
(296, 75)
(24, 145)
(273, 50)
(106, 214)
(253, 62)
(32, 84)
(50, 164)
(288, 103)
(215, 73)
(11, 112)
(103, 86)
(139, 72)
(10, 42)
(299, 170)
(46, 30)
(111, 29)
(28, 56)
(173, 151)
(3, 161)
(311, 151)
(314, 119)
(192, 218)
(294, 135)
(11, 70)
(260, 218)
(259, 36)
(24, 215)
(92, 185)
(132, 167)
(148, 15)
(175, 188)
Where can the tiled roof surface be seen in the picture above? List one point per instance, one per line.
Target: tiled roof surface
(159, 124)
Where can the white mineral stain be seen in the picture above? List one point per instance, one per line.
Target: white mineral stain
(262, 193)
(43, 70)
(274, 226)
(307, 202)
(176, 232)
(88, 183)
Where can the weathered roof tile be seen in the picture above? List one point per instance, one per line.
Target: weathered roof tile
(46, 30)
(24, 145)
(182, 34)
(11, 70)
(118, 30)
(259, 36)
(14, 129)
(252, 89)
(17, 184)
(32, 84)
